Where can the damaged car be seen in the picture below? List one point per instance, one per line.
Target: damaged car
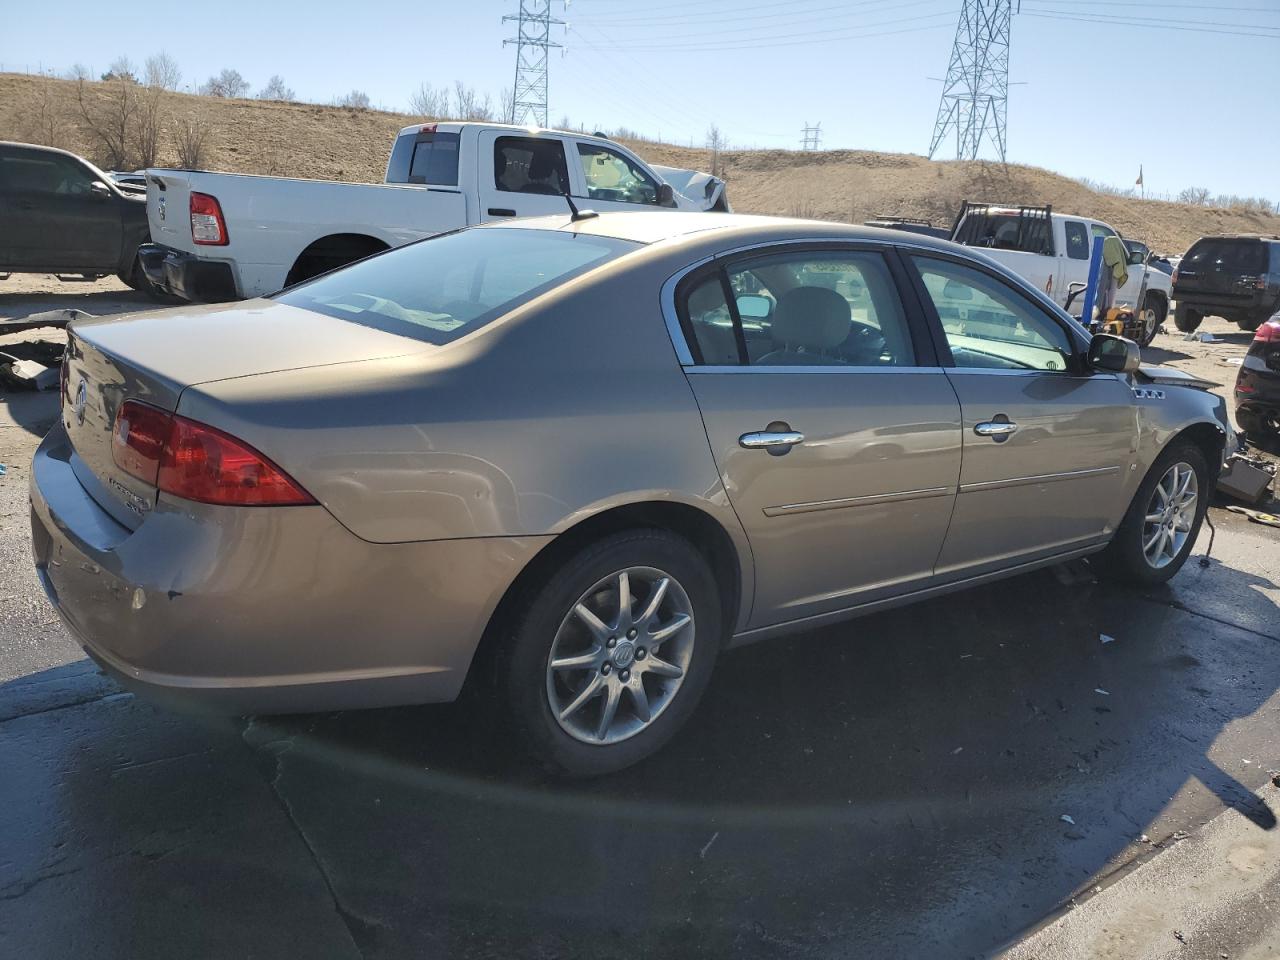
(565, 463)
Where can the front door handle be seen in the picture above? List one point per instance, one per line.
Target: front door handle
(998, 430)
(501, 212)
(775, 441)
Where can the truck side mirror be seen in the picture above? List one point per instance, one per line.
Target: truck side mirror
(666, 195)
(1116, 354)
(99, 190)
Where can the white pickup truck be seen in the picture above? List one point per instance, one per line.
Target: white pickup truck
(1051, 250)
(223, 236)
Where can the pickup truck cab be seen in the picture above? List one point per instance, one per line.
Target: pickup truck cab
(61, 215)
(223, 236)
(1051, 250)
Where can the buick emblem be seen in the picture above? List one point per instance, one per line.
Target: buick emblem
(82, 400)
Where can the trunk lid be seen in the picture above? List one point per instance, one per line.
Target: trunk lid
(169, 209)
(154, 356)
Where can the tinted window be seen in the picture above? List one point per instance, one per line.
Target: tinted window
(611, 176)
(435, 159)
(1077, 240)
(1098, 230)
(1006, 231)
(31, 172)
(1229, 255)
(529, 165)
(991, 325)
(802, 309)
(440, 289)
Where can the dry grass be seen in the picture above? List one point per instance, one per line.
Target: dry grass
(306, 140)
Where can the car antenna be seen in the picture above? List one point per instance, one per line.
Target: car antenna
(577, 214)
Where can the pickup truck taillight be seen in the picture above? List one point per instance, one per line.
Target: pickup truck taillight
(207, 225)
(197, 462)
(1269, 332)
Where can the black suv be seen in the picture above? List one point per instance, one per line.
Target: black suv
(1233, 277)
(62, 215)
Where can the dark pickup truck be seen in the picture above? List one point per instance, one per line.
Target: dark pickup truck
(60, 214)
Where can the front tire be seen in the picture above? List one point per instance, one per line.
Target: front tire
(1250, 324)
(606, 660)
(1153, 313)
(1163, 520)
(1186, 319)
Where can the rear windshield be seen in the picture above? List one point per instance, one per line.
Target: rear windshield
(440, 289)
(1233, 256)
(427, 157)
(1006, 231)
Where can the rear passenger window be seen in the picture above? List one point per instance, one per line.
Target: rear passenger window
(1077, 240)
(435, 159)
(803, 309)
(530, 165)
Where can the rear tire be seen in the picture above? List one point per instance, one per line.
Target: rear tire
(1185, 319)
(536, 702)
(1145, 550)
(1250, 324)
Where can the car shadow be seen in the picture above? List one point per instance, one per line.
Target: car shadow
(949, 773)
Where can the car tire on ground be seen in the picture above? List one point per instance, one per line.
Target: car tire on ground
(1160, 527)
(1186, 319)
(1153, 313)
(1250, 324)
(575, 671)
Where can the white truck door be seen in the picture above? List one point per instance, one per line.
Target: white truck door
(611, 179)
(1074, 258)
(521, 175)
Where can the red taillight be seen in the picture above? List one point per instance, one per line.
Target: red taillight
(1269, 332)
(207, 225)
(196, 462)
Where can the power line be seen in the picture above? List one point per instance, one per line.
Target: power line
(1151, 26)
(790, 17)
(1134, 21)
(791, 10)
(1273, 11)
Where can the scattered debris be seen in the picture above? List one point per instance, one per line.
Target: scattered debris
(26, 374)
(1203, 338)
(1144, 839)
(1066, 818)
(1257, 516)
(1101, 691)
(702, 855)
(1177, 935)
(49, 318)
(1231, 361)
(1246, 761)
(1275, 779)
(1246, 478)
(1180, 835)
(1106, 639)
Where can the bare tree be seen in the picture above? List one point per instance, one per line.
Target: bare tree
(108, 116)
(507, 105)
(46, 122)
(356, 100)
(468, 105)
(429, 102)
(716, 145)
(150, 124)
(162, 72)
(191, 136)
(121, 69)
(79, 71)
(228, 84)
(276, 89)
(1197, 195)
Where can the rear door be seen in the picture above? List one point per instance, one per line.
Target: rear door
(835, 433)
(521, 175)
(54, 219)
(1047, 446)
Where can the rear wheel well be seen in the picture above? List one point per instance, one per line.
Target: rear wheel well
(329, 253)
(1211, 441)
(703, 532)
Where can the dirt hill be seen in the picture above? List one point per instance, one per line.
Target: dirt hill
(308, 140)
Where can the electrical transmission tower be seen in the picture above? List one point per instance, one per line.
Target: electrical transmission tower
(812, 137)
(533, 41)
(975, 92)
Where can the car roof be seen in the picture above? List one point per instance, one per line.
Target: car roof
(649, 227)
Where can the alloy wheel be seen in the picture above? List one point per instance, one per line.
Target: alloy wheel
(1150, 323)
(620, 655)
(1171, 514)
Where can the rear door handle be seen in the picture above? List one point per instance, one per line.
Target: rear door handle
(997, 430)
(501, 212)
(775, 441)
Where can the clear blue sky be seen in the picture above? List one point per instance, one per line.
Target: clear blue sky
(1197, 106)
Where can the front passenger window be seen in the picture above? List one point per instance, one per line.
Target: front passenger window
(989, 324)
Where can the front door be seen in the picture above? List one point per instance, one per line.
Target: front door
(611, 180)
(1047, 446)
(54, 220)
(836, 435)
(522, 176)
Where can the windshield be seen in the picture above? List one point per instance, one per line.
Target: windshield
(443, 288)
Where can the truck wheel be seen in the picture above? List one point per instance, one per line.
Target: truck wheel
(1155, 537)
(1250, 324)
(1186, 319)
(1154, 310)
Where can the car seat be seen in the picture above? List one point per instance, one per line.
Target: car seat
(808, 324)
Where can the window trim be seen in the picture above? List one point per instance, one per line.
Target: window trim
(676, 288)
(1088, 237)
(1076, 364)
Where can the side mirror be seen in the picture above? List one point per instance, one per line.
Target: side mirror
(99, 189)
(752, 306)
(666, 195)
(1137, 258)
(1116, 354)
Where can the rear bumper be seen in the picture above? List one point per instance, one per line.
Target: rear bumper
(1257, 394)
(1227, 306)
(185, 275)
(262, 610)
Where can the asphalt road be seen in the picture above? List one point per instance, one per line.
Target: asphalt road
(893, 787)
